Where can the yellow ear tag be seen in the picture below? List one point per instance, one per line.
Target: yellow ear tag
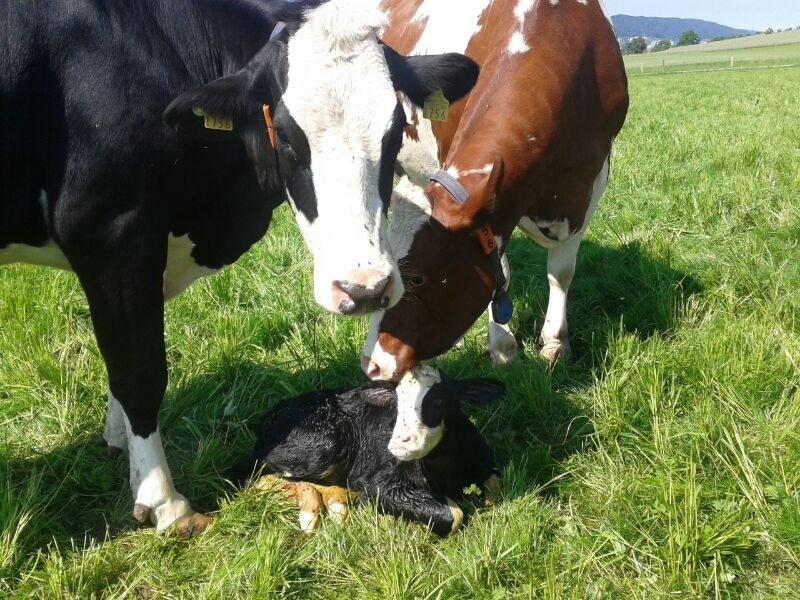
(217, 123)
(436, 107)
(211, 122)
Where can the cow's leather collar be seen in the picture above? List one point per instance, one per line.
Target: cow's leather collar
(279, 27)
(502, 307)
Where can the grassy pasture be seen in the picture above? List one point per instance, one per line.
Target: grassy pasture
(663, 462)
(747, 52)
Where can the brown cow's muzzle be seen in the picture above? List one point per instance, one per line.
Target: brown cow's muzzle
(388, 359)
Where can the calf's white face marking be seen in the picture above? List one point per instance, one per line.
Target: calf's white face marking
(412, 439)
(341, 96)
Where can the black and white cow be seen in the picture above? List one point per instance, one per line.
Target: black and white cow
(145, 144)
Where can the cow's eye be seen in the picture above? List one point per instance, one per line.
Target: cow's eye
(417, 280)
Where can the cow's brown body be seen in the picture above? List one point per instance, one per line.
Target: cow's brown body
(529, 145)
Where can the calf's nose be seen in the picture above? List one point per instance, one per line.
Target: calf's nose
(365, 296)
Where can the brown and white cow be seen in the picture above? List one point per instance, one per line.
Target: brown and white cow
(528, 148)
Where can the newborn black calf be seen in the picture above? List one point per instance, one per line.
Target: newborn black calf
(406, 445)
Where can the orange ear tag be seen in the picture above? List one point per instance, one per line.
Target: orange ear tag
(486, 238)
(270, 126)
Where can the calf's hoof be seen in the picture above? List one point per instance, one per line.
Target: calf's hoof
(458, 515)
(491, 491)
(192, 525)
(337, 501)
(311, 506)
(555, 350)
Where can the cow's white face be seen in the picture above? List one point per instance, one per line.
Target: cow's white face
(420, 414)
(342, 127)
(338, 129)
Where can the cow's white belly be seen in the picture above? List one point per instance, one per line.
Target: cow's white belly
(48, 255)
(181, 270)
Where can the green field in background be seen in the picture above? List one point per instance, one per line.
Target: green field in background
(747, 52)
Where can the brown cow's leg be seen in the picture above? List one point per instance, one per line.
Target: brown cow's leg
(560, 270)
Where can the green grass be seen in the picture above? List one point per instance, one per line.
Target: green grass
(663, 462)
(757, 51)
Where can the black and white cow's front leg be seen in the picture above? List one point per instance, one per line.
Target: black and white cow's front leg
(124, 288)
(502, 347)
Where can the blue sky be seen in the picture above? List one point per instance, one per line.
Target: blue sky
(745, 14)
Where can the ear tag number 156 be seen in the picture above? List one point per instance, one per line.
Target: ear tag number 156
(436, 107)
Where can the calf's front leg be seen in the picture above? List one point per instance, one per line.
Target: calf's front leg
(442, 515)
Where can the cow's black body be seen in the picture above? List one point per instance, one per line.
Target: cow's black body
(341, 438)
(83, 88)
(105, 164)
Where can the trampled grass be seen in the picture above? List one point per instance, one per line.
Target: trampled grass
(663, 462)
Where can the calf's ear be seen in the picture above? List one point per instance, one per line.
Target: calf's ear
(480, 392)
(418, 76)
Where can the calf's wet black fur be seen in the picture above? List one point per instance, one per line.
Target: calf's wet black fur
(341, 438)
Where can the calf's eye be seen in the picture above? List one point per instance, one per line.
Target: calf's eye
(417, 280)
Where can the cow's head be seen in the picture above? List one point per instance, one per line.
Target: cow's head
(449, 280)
(428, 403)
(332, 91)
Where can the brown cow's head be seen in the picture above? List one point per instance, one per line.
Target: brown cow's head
(447, 277)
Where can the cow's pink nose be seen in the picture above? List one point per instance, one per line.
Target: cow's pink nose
(362, 293)
(406, 439)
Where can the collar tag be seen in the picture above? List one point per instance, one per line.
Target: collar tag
(436, 106)
(270, 125)
(502, 308)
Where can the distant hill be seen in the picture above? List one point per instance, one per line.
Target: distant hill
(660, 28)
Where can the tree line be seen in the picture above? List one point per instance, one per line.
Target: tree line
(638, 45)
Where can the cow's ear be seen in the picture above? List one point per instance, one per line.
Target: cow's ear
(225, 100)
(419, 76)
(480, 392)
(381, 395)
(228, 99)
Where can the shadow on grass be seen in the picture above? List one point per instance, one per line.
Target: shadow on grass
(208, 421)
(616, 290)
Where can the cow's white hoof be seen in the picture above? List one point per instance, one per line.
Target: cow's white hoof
(502, 348)
(555, 350)
(166, 514)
